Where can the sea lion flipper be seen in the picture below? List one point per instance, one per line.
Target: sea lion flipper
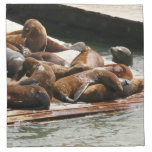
(80, 90)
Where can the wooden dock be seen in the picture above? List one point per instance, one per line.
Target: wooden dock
(59, 111)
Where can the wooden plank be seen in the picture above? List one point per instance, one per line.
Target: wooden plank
(136, 98)
(64, 113)
(15, 116)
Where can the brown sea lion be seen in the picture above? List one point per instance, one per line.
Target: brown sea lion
(100, 92)
(49, 57)
(27, 97)
(61, 71)
(34, 37)
(74, 85)
(120, 70)
(39, 72)
(88, 57)
(122, 55)
(35, 34)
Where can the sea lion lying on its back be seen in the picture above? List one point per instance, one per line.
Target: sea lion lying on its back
(27, 97)
(122, 55)
(14, 62)
(100, 92)
(88, 57)
(74, 85)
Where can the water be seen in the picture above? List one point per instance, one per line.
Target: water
(118, 130)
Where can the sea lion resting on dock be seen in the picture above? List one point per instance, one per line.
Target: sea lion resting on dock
(122, 55)
(27, 97)
(14, 62)
(88, 57)
(61, 71)
(49, 57)
(39, 72)
(100, 92)
(74, 85)
(34, 37)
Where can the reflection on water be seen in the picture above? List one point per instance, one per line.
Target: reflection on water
(117, 130)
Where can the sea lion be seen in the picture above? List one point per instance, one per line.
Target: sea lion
(39, 72)
(88, 57)
(61, 71)
(34, 37)
(122, 55)
(35, 34)
(120, 70)
(74, 85)
(49, 57)
(27, 97)
(100, 92)
(14, 62)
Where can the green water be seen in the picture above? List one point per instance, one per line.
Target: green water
(117, 130)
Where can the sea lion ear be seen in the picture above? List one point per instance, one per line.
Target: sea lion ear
(80, 90)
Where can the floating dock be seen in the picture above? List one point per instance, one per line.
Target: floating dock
(67, 111)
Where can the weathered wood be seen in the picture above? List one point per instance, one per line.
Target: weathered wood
(114, 106)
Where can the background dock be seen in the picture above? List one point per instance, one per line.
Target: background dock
(85, 24)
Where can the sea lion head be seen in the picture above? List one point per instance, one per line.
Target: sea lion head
(31, 28)
(121, 55)
(30, 65)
